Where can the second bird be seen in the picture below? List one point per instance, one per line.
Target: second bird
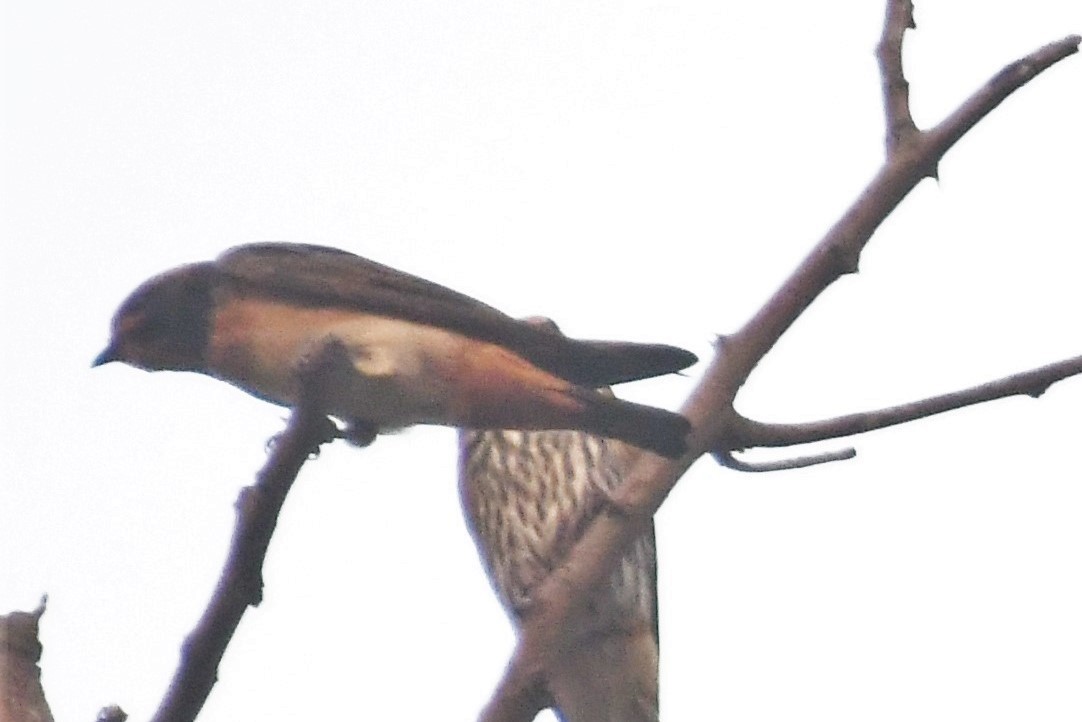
(528, 497)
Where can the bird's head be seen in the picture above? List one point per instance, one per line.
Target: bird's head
(165, 323)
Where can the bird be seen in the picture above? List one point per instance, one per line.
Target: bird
(527, 497)
(413, 351)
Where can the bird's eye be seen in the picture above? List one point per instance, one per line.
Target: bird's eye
(140, 327)
(149, 331)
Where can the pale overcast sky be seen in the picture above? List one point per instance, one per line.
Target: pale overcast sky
(638, 170)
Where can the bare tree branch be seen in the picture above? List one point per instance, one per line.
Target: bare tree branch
(241, 582)
(838, 253)
(1028, 383)
(912, 156)
(899, 121)
(726, 459)
(996, 90)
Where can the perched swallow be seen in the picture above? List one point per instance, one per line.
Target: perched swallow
(416, 352)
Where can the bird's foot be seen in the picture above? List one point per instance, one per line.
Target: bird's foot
(359, 433)
(327, 433)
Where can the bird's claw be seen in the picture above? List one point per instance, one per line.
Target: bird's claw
(358, 433)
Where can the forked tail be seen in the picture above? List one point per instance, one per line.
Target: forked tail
(647, 427)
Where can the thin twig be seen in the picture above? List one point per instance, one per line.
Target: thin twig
(726, 459)
(996, 90)
(1028, 383)
(899, 120)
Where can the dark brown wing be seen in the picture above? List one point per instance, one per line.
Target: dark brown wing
(320, 275)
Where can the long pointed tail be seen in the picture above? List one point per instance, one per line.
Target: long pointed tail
(602, 363)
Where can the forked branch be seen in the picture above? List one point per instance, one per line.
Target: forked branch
(911, 156)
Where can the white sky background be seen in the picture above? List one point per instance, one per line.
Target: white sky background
(636, 170)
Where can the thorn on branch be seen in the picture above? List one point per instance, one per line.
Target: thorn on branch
(846, 260)
(1038, 392)
(112, 713)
